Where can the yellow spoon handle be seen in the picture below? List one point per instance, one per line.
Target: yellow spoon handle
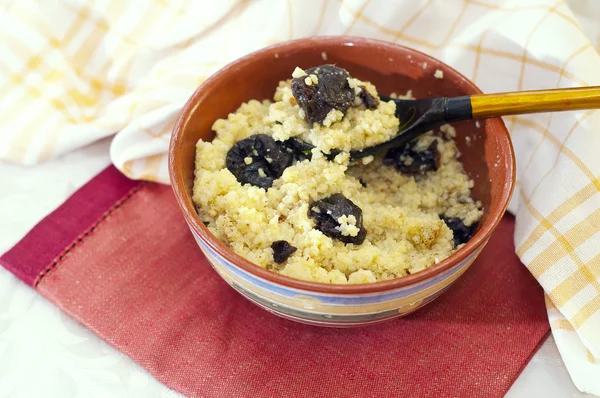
(538, 101)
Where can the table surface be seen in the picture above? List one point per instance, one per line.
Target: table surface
(45, 353)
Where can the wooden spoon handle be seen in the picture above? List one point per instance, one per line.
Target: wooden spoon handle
(538, 101)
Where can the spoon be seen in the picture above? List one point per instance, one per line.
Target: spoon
(419, 116)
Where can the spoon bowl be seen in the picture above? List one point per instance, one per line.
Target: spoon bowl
(417, 116)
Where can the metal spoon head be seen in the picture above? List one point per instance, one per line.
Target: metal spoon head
(416, 118)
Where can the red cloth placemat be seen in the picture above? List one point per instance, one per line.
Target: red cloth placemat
(131, 271)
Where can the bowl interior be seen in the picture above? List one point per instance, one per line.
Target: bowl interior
(485, 147)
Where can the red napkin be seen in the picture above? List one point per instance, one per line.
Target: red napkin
(118, 257)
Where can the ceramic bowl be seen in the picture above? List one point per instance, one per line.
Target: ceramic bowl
(486, 149)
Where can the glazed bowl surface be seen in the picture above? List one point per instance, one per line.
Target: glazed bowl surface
(486, 153)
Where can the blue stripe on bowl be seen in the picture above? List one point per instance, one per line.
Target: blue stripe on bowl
(331, 299)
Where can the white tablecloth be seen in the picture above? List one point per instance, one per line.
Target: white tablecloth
(44, 353)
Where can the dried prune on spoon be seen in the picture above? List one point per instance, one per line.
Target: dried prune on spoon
(282, 250)
(462, 233)
(367, 99)
(409, 160)
(328, 211)
(258, 160)
(331, 91)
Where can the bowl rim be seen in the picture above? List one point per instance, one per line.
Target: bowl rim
(193, 220)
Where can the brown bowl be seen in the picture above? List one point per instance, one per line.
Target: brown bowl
(487, 156)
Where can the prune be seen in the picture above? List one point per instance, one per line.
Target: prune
(258, 160)
(301, 150)
(282, 250)
(409, 160)
(332, 91)
(326, 213)
(462, 233)
(368, 100)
